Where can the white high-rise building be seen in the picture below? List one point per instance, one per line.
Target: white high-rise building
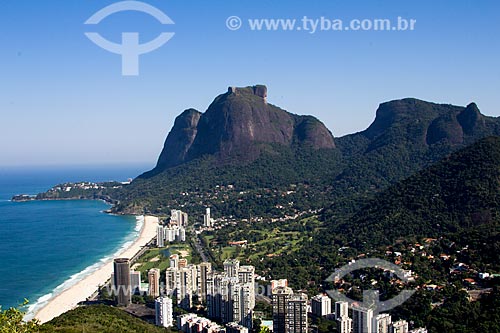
(382, 323)
(289, 311)
(362, 320)
(164, 312)
(246, 275)
(175, 216)
(193, 323)
(174, 261)
(243, 299)
(207, 219)
(170, 234)
(231, 267)
(182, 283)
(321, 305)
(341, 310)
(344, 325)
(219, 297)
(400, 326)
(182, 235)
(178, 217)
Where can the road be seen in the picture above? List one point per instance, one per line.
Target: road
(195, 240)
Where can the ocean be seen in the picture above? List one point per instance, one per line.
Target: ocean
(48, 246)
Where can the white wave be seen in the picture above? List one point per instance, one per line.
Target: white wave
(75, 278)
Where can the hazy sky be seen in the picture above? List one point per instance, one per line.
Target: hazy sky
(63, 99)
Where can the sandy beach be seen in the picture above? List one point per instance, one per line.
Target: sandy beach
(70, 298)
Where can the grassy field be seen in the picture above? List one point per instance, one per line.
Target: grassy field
(277, 241)
(157, 257)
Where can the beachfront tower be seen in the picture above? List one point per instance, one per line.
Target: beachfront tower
(122, 281)
(160, 236)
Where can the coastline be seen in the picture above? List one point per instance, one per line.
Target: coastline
(85, 288)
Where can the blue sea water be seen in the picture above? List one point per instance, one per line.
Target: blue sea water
(48, 246)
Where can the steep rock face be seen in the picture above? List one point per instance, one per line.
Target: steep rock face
(420, 122)
(471, 119)
(311, 131)
(445, 128)
(180, 139)
(238, 125)
(407, 135)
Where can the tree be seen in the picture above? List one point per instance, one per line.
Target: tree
(11, 321)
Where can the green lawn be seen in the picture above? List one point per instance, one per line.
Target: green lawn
(148, 261)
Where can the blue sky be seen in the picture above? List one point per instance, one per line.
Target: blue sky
(64, 101)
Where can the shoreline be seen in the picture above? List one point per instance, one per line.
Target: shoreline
(85, 288)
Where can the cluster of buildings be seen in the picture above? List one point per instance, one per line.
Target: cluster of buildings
(230, 295)
(174, 231)
(183, 281)
(361, 320)
(193, 323)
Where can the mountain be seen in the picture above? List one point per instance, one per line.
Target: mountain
(261, 149)
(408, 135)
(238, 125)
(428, 123)
(458, 196)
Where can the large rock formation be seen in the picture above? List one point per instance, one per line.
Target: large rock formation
(420, 122)
(237, 126)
